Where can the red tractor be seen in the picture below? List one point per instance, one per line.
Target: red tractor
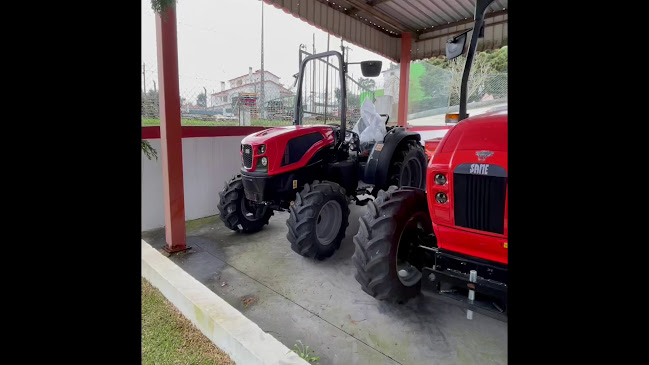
(314, 171)
(451, 239)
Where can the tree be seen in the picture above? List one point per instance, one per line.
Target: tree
(367, 84)
(159, 6)
(201, 100)
(498, 60)
(352, 99)
(150, 104)
(152, 95)
(435, 81)
(440, 62)
(148, 150)
(477, 76)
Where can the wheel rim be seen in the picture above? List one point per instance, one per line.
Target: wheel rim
(328, 222)
(252, 212)
(408, 274)
(411, 174)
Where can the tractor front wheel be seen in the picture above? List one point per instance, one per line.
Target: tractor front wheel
(239, 213)
(318, 219)
(388, 263)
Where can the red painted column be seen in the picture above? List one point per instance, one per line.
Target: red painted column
(170, 132)
(404, 78)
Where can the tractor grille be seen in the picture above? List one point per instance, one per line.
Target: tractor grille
(246, 154)
(479, 202)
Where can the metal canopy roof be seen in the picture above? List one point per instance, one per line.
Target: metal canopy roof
(377, 25)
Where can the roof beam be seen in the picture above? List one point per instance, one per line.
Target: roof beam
(462, 31)
(378, 2)
(353, 11)
(361, 6)
(461, 22)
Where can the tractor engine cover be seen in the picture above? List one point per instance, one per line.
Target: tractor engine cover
(276, 162)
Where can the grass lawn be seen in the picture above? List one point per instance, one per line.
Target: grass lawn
(170, 338)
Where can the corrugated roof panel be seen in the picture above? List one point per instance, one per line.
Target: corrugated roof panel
(495, 36)
(329, 20)
(339, 24)
(432, 12)
(419, 14)
(452, 12)
(319, 16)
(295, 9)
(302, 9)
(403, 15)
(365, 29)
(467, 5)
(422, 17)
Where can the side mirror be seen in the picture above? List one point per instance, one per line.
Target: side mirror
(455, 45)
(371, 68)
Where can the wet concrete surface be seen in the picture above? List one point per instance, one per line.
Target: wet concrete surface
(320, 303)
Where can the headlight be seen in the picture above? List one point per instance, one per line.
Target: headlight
(441, 198)
(262, 149)
(440, 179)
(264, 161)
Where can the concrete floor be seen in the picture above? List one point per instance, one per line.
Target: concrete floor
(321, 304)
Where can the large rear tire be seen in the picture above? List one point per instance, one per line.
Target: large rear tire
(408, 165)
(318, 219)
(385, 244)
(239, 213)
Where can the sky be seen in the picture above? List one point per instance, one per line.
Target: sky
(219, 39)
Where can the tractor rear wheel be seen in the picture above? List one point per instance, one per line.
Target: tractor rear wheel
(408, 165)
(388, 264)
(239, 213)
(318, 219)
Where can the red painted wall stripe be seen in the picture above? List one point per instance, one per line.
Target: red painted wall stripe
(153, 132)
(196, 132)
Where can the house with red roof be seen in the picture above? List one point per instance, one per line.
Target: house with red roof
(248, 84)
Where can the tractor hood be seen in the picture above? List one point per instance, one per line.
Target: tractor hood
(486, 131)
(267, 134)
(285, 148)
(472, 216)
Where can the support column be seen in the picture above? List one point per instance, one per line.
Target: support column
(170, 132)
(404, 78)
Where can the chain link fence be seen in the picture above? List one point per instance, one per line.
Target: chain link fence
(433, 90)
(240, 101)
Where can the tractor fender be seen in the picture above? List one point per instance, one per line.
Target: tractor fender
(378, 164)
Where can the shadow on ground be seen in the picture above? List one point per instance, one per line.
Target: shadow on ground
(320, 303)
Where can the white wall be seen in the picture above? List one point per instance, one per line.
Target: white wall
(207, 163)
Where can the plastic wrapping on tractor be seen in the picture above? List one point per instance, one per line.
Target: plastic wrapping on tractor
(370, 127)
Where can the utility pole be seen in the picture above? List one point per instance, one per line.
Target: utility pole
(313, 80)
(345, 50)
(205, 90)
(263, 86)
(144, 75)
